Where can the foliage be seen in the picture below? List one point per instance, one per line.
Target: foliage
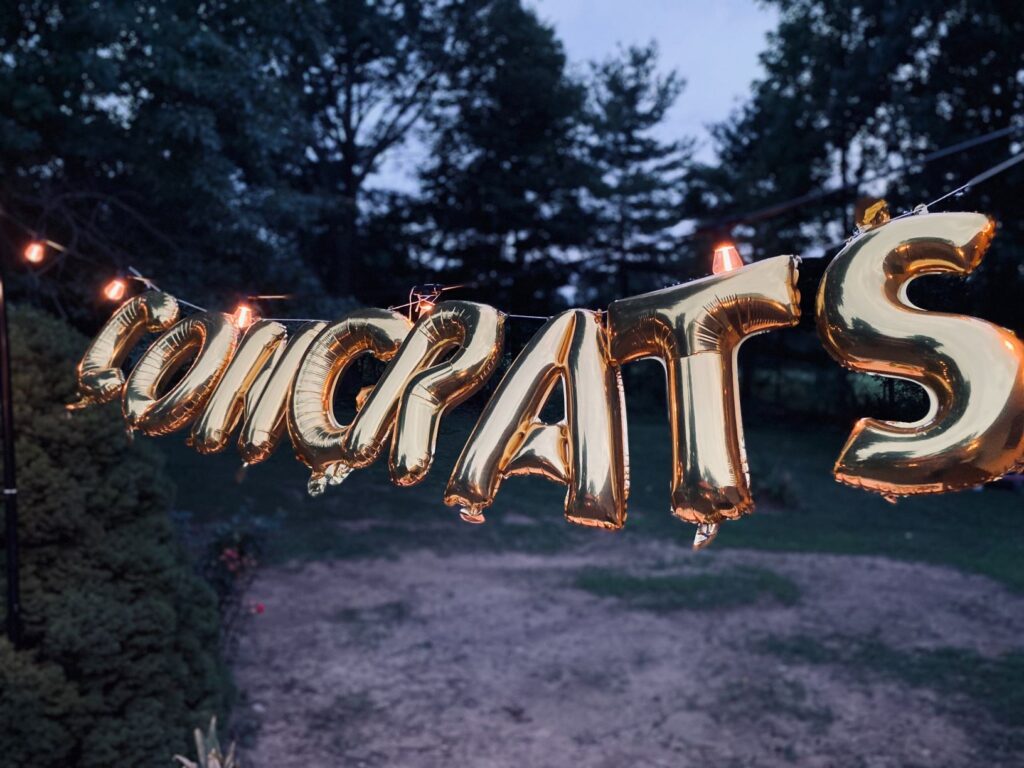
(121, 636)
(502, 188)
(853, 94)
(366, 74)
(158, 135)
(636, 198)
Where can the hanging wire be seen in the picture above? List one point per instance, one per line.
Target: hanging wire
(982, 177)
(959, 191)
(776, 209)
(295, 319)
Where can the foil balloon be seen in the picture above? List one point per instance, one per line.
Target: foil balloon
(315, 433)
(266, 405)
(696, 330)
(208, 339)
(256, 355)
(587, 452)
(449, 355)
(972, 370)
(99, 374)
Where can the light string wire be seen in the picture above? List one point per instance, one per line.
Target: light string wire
(751, 216)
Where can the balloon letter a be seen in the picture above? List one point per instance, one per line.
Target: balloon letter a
(587, 452)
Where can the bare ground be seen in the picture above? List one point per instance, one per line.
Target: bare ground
(507, 659)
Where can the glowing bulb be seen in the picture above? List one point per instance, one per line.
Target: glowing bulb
(727, 259)
(35, 252)
(425, 306)
(115, 290)
(244, 316)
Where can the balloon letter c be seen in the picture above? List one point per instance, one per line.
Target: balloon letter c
(212, 337)
(100, 379)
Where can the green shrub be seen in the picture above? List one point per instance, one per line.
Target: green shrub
(121, 636)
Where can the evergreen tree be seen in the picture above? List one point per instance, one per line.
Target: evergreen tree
(969, 82)
(854, 94)
(152, 135)
(502, 188)
(637, 196)
(367, 72)
(825, 115)
(121, 657)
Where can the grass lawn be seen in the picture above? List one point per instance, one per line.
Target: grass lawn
(800, 506)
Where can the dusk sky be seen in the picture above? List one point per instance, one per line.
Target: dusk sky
(713, 45)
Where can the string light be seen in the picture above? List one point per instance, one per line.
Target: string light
(726, 259)
(244, 316)
(35, 252)
(115, 289)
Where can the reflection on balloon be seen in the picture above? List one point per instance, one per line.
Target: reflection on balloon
(316, 434)
(211, 338)
(100, 379)
(266, 405)
(695, 330)
(587, 452)
(257, 353)
(972, 370)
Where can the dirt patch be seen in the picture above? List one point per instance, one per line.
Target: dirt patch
(506, 659)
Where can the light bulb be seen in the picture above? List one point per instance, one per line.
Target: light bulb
(244, 317)
(115, 290)
(727, 259)
(35, 252)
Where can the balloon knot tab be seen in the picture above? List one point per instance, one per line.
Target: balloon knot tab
(317, 484)
(337, 473)
(470, 515)
(706, 533)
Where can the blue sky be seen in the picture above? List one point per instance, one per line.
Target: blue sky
(713, 44)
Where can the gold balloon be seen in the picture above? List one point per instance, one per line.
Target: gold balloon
(256, 355)
(100, 378)
(588, 452)
(266, 405)
(972, 370)
(695, 330)
(415, 390)
(315, 433)
(211, 337)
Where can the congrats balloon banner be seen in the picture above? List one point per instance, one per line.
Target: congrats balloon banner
(265, 384)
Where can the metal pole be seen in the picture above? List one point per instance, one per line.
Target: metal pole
(10, 495)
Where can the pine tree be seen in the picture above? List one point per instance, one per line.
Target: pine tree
(158, 136)
(502, 189)
(366, 73)
(637, 196)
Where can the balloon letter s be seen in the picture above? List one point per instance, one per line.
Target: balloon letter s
(972, 370)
